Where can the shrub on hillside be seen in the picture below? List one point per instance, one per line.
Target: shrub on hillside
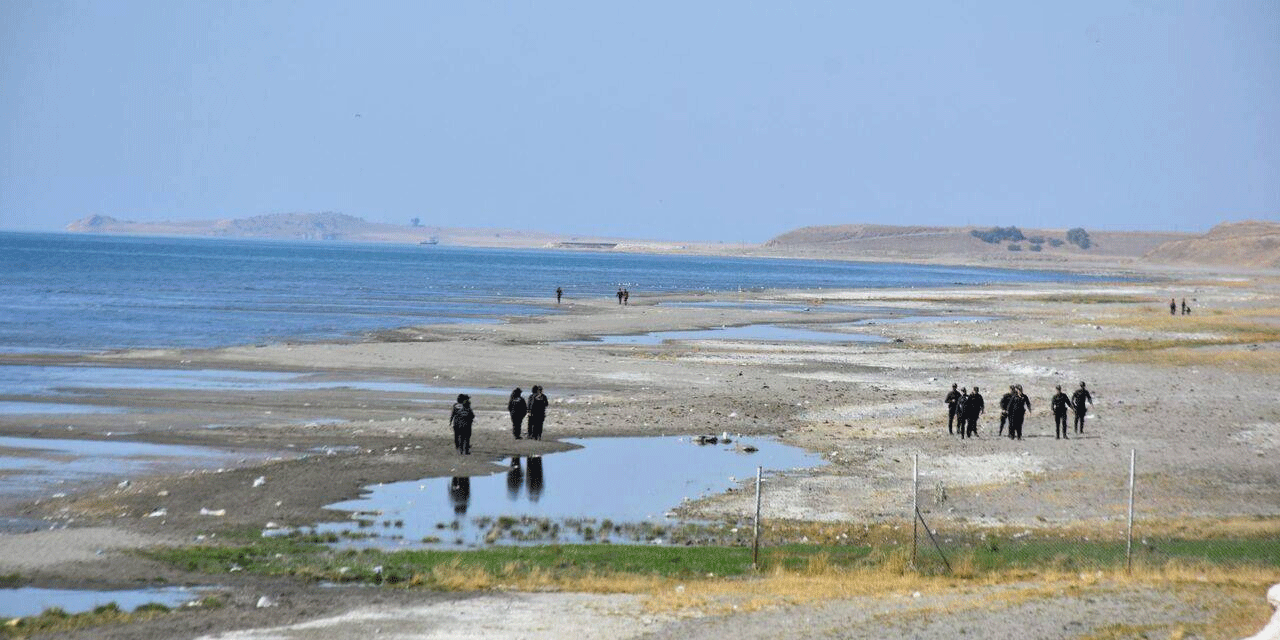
(1034, 247)
(1079, 237)
(1036, 239)
(995, 235)
(1054, 242)
(1015, 247)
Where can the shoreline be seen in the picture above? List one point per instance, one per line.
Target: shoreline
(865, 407)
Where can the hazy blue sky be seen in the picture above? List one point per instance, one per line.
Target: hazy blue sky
(703, 120)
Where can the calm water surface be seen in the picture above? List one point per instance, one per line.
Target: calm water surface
(71, 292)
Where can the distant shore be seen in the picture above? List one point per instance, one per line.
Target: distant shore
(1107, 251)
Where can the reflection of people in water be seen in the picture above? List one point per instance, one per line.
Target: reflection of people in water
(534, 466)
(460, 495)
(515, 479)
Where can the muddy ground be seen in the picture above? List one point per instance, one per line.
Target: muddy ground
(1193, 396)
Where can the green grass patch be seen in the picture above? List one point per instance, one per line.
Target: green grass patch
(312, 561)
(995, 554)
(306, 559)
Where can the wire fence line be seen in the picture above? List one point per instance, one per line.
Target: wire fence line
(1034, 522)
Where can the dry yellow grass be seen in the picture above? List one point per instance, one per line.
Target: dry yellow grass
(1241, 359)
(1247, 320)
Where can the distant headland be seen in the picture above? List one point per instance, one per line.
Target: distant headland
(1249, 244)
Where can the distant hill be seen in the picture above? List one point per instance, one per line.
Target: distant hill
(1239, 244)
(329, 226)
(967, 244)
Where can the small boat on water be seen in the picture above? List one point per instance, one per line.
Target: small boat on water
(431, 240)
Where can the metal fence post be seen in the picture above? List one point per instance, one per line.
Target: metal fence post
(915, 506)
(755, 538)
(1128, 545)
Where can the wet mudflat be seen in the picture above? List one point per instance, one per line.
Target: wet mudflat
(916, 319)
(30, 601)
(615, 489)
(751, 332)
(41, 380)
(35, 467)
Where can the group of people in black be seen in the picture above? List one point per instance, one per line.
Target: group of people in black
(964, 407)
(462, 417)
(1173, 307)
(624, 296)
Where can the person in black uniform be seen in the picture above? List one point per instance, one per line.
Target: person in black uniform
(952, 399)
(960, 405)
(1173, 307)
(460, 419)
(619, 295)
(517, 408)
(972, 409)
(559, 294)
(1004, 409)
(537, 412)
(1078, 400)
(1059, 403)
(1019, 404)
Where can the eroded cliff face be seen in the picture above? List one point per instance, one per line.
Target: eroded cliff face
(1253, 243)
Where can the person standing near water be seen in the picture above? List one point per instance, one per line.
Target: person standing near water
(559, 294)
(1004, 409)
(537, 412)
(951, 400)
(1059, 403)
(973, 407)
(460, 420)
(626, 297)
(1173, 307)
(1078, 399)
(517, 407)
(619, 295)
(1019, 404)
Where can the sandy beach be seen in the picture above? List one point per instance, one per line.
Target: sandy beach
(1194, 396)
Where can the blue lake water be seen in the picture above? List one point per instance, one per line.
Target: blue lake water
(30, 601)
(35, 466)
(71, 292)
(624, 480)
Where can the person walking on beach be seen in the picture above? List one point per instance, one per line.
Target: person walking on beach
(951, 400)
(537, 412)
(1186, 311)
(973, 407)
(626, 297)
(517, 407)
(1004, 409)
(1078, 400)
(1173, 307)
(460, 419)
(619, 295)
(1059, 403)
(559, 294)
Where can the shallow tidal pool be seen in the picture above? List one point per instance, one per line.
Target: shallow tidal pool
(618, 490)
